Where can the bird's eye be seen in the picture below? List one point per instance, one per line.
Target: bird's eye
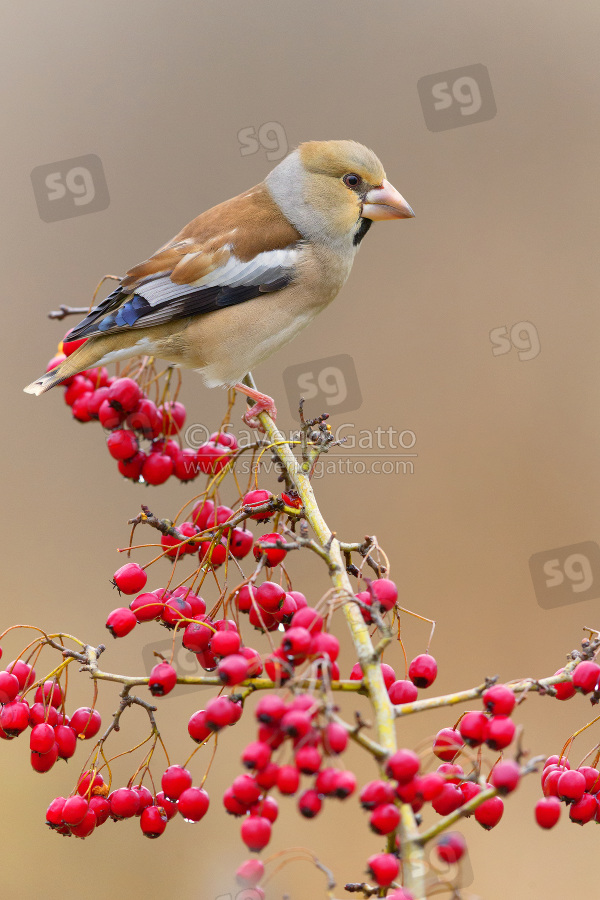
(351, 180)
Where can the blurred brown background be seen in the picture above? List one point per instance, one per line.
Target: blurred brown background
(506, 232)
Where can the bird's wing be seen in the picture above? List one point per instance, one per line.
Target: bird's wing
(232, 253)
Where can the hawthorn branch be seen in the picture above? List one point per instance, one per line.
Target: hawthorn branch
(527, 684)
(414, 860)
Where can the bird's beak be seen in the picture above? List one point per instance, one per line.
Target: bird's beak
(385, 202)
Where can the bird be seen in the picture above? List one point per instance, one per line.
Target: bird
(244, 277)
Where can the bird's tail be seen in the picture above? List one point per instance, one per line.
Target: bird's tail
(89, 354)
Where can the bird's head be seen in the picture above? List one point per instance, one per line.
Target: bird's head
(333, 190)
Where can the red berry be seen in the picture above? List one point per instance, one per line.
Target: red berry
(267, 777)
(345, 783)
(41, 738)
(198, 730)
(43, 762)
(473, 727)
(423, 670)
(586, 677)
(74, 810)
(121, 621)
(163, 679)
(335, 738)
(9, 687)
(193, 804)
(130, 578)
(505, 776)
(309, 804)
(24, 673)
(288, 779)
(402, 766)
(233, 669)
(257, 755)
(490, 812)
(448, 799)
(198, 635)
(79, 387)
(385, 818)
(565, 689)
(308, 760)
(256, 833)
(175, 781)
(221, 711)
(66, 741)
(147, 607)
(146, 419)
(132, 468)
(124, 803)
(273, 555)
(583, 810)
(122, 444)
(153, 821)
(214, 554)
(157, 468)
(326, 645)
(499, 700)
(108, 415)
(240, 543)
(173, 416)
(124, 395)
(50, 693)
(308, 618)
(68, 346)
(14, 717)
(86, 722)
(203, 514)
(401, 691)
(384, 868)
(376, 793)
(430, 785)
(270, 596)
(225, 438)
(212, 458)
(175, 611)
(386, 593)
(224, 643)
(571, 786)
(547, 812)
(257, 498)
(101, 809)
(451, 847)
(169, 806)
(54, 812)
(499, 732)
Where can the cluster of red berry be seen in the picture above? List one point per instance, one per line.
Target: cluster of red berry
(53, 734)
(124, 408)
(577, 788)
(93, 804)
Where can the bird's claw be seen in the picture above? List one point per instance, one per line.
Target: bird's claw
(263, 404)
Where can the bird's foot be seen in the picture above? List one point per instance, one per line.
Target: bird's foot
(262, 403)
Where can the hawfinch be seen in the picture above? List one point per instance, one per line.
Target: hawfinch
(243, 278)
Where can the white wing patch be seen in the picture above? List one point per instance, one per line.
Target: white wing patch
(264, 268)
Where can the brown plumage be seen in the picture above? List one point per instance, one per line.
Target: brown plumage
(244, 277)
